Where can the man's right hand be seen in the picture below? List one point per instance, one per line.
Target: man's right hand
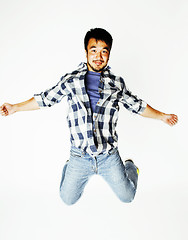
(7, 109)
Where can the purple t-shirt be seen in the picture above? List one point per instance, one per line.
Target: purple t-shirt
(92, 85)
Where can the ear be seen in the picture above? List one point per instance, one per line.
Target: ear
(86, 53)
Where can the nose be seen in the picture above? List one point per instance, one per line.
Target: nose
(98, 55)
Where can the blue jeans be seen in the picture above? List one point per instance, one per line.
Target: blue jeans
(81, 166)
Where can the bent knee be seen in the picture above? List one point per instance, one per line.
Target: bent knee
(128, 197)
(68, 200)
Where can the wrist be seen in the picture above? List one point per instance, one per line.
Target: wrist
(162, 116)
(16, 107)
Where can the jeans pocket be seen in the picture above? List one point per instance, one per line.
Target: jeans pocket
(113, 151)
(74, 153)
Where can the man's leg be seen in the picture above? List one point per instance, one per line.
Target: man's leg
(121, 178)
(75, 176)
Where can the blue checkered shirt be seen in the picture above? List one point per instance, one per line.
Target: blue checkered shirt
(94, 133)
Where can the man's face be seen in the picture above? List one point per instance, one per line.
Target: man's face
(97, 55)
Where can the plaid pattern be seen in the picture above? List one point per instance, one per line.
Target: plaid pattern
(94, 133)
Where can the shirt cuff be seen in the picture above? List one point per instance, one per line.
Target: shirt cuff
(142, 107)
(39, 100)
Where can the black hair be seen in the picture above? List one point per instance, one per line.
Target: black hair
(98, 34)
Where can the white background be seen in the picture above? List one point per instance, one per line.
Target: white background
(41, 40)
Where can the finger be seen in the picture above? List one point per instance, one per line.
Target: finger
(175, 118)
(4, 112)
(5, 109)
(173, 122)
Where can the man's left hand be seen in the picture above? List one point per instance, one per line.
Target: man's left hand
(170, 119)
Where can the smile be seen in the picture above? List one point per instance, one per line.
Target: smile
(98, 62)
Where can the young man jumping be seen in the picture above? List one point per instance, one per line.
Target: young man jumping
(94, 93)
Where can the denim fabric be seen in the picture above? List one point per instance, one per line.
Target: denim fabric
(81, 166)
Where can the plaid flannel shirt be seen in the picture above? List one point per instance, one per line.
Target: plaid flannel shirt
(94, 133)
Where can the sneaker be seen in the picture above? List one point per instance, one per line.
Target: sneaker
(129, 160)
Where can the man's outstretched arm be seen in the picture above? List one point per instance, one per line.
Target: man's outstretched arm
(8, 109)
(170, 119)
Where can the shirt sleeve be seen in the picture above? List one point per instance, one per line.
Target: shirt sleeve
(131, 102)
(51, 96)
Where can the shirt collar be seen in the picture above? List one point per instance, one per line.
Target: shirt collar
(83, 67)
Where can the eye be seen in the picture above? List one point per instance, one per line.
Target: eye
(105, 51)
